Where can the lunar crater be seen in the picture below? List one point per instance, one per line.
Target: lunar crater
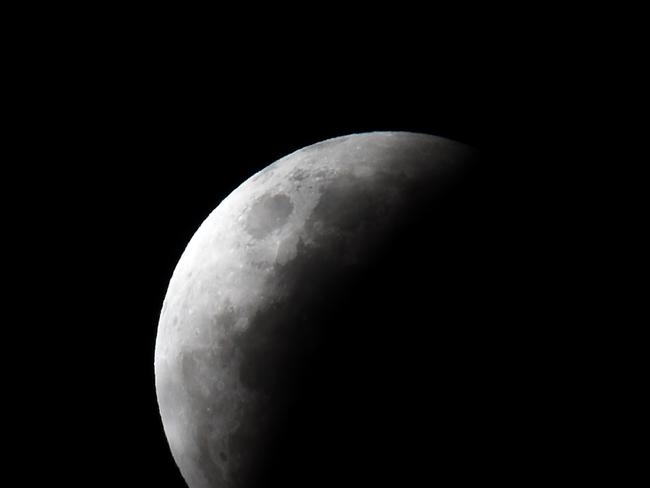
(268, 214)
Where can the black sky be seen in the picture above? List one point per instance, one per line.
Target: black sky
(171, 153)
(152, 135)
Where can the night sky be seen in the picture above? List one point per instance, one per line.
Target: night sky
(161, 136)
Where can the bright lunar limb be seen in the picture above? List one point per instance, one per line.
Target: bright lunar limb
(241, 314)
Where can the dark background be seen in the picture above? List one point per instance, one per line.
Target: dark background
(152, 133)
(169, 159)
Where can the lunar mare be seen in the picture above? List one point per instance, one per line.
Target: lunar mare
(237, 319)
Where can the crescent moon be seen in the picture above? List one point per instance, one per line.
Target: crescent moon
(241, 313)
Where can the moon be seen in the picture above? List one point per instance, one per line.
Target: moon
(251, 325)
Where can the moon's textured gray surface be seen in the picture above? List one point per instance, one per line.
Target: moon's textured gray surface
(235, 319)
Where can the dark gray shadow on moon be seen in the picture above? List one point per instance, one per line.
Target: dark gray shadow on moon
(391, 371)
(386, 367)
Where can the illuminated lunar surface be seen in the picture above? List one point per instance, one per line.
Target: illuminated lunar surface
(242, 314)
